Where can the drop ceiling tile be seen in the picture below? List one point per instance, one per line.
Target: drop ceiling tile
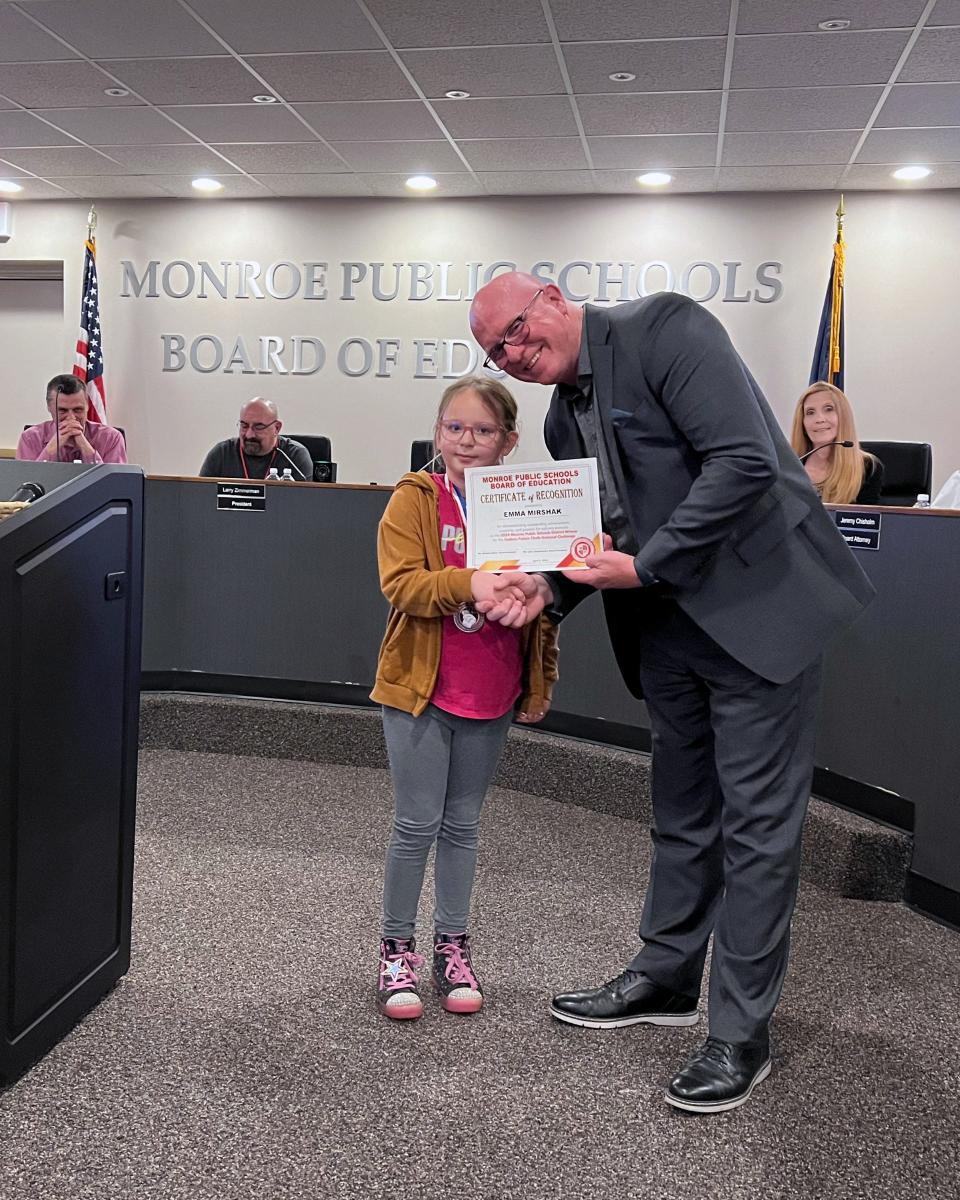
(7, 104)
(346, 184)
(798, 149)
(126, 28)
(314, 77)
(906, 146)
(300, 25)
(239, 122)
(37, 189)
(168, 160)
(20, 128)
(638, 19)
(235, 187)
(21, 41)
(946, 175)
(487, 71)
(694, 64)
(93, 188)
(533, 154)
(538, 183)
(371, 121)
(412, 157)
(55, 163)
(116, 126)
(284, 158)
(791, 16)
(810, 59)
(779, 179)
(453, 23)
(219, 80)
(533, 116)
(450, 184)
(686, 179)
(947, 12)
(912, 104)
(653, 153)
(934, 59)
(653, 112)
(801, 108)
(59, 85)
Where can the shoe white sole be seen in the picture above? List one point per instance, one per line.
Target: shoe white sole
(723, 1105)
(673, 1020)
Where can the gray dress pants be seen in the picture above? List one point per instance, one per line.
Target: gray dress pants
(732, 767)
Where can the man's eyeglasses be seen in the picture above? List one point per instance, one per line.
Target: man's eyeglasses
(515, 333)
(258, 427)
(483, 434)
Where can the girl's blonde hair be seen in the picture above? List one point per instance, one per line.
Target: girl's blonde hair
(848, 463)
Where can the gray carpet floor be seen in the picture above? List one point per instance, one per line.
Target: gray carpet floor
(243, 1056)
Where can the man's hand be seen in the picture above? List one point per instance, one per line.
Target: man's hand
(71, 431)
(608, 569)
(512, 597)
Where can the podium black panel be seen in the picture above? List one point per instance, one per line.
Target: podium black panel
(70, 616)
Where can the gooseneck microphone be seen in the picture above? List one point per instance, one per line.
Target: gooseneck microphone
(281, 450)
(27, 492)
(804, 457)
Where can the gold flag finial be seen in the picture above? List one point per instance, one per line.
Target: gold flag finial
(91, 222)
(841, 212)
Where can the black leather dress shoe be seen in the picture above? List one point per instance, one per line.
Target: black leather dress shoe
(630, 999)
(719, 1076)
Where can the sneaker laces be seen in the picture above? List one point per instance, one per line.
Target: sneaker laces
(458, 970)
(398, 970)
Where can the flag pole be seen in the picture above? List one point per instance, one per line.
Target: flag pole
(836, 305)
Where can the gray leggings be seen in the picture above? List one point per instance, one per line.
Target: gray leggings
(441, 766)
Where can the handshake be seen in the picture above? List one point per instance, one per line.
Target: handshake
(513, 598)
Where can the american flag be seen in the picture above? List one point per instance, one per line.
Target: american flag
(88, 364)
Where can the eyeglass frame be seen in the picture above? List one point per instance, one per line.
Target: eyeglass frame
(465, 425)
(499, 348)
(255, 427)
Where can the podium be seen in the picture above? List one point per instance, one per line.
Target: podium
(71, 581)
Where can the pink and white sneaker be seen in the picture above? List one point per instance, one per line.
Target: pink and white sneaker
(398, 987)
(453, 974)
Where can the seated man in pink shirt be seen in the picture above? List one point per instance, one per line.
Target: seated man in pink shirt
(69, 435)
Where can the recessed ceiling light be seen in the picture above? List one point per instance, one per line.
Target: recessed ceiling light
(911, 172)
(457, 95)
(7, 185)
(266, 100)
(832, 26)
(116, 92)
(654, 179)
(622, 77)
(421, 183)
(207, 185)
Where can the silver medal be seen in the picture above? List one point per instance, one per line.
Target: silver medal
(468, 620)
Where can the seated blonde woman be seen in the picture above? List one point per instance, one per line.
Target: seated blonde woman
(841, 474)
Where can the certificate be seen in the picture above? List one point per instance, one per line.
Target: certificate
(533, 517)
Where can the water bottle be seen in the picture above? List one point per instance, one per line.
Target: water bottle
(287, 475)
(272, 476)
(923, 501)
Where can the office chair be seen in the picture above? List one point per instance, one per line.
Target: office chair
(318, 447)
(907, 470)
(421, 453)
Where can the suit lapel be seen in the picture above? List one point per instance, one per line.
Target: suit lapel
(601, 363)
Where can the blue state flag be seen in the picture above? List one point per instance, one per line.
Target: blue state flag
(828, 355)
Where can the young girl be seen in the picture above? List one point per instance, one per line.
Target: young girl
(449, 681)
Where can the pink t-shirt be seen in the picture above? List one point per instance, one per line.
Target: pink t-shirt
(480, 672)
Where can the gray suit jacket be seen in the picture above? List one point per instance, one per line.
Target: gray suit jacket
(720, 506)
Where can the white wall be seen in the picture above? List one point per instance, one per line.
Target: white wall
(903, 267)
(31, 327)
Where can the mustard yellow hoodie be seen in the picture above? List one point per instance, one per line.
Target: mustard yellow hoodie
(421, 590)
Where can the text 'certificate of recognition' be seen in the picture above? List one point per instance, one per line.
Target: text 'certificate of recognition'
(535, 517)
